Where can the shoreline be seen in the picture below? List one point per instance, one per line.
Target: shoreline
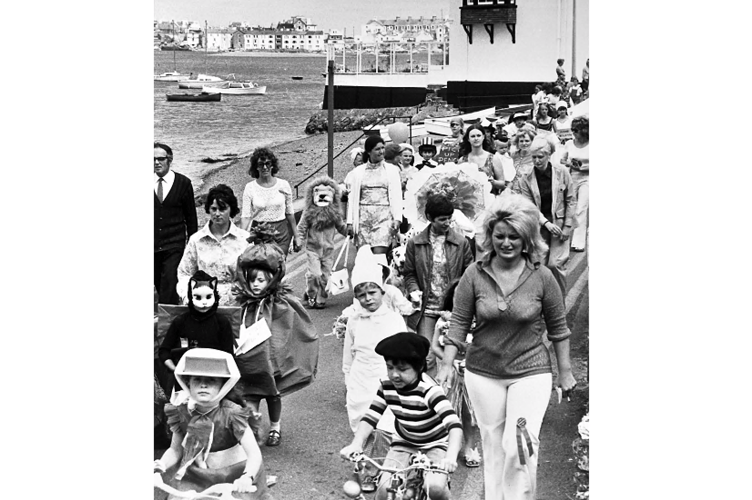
(261, 53)
(215, 167)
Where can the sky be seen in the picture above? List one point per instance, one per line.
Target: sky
(330, 14)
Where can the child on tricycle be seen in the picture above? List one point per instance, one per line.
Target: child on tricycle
(424, 418)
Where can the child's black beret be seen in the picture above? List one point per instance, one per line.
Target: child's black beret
(404, 345)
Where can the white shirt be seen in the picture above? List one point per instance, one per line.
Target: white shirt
(169, 180)
(507, 165)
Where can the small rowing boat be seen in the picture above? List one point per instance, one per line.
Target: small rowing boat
(186, 97)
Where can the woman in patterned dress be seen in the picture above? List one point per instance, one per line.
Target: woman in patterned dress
(269, 199)
(375, 209)
(215, 248)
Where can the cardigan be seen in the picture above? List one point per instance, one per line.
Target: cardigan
(175, 219)
(508, 343)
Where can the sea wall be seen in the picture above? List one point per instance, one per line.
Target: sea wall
(357, 119)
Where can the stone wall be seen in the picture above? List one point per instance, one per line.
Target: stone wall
(357, 119)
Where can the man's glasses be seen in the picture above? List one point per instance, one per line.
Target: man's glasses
(160, 159)
(265, 163)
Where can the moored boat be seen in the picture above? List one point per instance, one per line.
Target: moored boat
(199, 81)
(237, 88)
(171, 76)
(186, 97)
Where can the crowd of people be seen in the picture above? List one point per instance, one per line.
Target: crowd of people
(444, 336)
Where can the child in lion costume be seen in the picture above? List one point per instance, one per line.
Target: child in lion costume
(320, 220)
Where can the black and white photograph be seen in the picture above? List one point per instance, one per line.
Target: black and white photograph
(373, 250)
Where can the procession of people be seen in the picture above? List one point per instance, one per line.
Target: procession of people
(462, 253)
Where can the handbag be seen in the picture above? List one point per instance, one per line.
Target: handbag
(339, 281)
(253, 335)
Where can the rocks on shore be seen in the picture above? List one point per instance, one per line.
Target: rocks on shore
(357, 119)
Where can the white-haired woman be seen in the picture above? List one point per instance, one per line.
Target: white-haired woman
(508, 372)
(549, 186)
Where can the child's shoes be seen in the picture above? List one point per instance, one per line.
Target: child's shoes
(274, 438)
(472, 458)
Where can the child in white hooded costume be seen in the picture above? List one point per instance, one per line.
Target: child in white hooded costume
(370, 321)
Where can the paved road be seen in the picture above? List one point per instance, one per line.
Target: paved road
(315, 428)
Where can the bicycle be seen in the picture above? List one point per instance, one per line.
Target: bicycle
(405, 484)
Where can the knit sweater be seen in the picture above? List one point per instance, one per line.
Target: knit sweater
(508, 343)
(423, 415)
(175, 219)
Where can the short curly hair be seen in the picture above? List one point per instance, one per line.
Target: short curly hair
(582, 125)
(224, 196)
(262, 153)
(530, 133)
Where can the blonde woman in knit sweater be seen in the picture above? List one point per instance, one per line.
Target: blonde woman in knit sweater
(508, 368)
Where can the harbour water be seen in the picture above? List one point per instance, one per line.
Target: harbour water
(237, 124)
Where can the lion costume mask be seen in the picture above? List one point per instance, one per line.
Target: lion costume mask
(323, 205)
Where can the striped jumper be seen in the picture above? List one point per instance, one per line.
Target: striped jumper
(423, 415)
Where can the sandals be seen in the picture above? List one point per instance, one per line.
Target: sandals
(274, 438)
(472, 458)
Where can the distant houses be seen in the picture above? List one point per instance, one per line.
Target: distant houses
(297, 34)
(409, 29)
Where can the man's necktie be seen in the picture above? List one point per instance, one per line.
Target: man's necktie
(160, 193)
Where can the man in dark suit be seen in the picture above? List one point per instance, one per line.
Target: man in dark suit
(175, 221)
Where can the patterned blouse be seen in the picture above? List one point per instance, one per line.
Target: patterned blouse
(264, 204)
(439, 279)
(216, 257)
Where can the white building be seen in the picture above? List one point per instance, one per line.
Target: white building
(291, 40)
(219, 39)
(502, 48)
(313, 41)
(499, 51)
(254, 39)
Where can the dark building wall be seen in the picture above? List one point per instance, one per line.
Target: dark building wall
(349, 97)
